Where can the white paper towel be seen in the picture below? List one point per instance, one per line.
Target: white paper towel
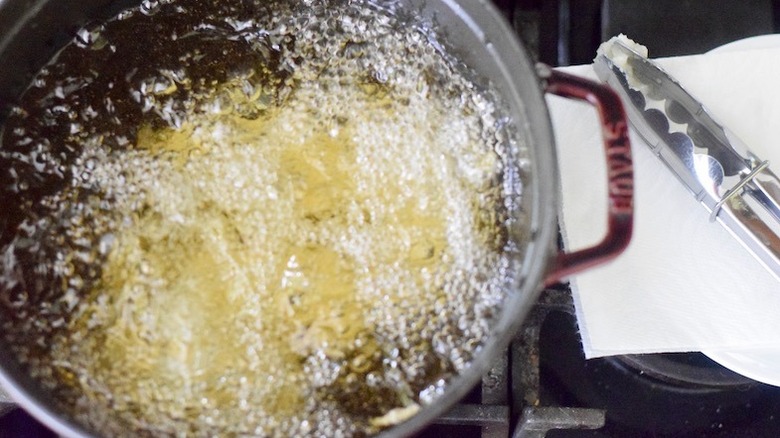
(684, 284)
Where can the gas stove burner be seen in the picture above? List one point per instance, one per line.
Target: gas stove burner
(682, 394)
(692, 370)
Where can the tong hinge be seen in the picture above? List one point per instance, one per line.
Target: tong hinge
(737, 188)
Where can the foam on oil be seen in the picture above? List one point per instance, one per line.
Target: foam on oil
(291, 222)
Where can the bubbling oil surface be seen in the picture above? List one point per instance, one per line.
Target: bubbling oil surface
(274, 219)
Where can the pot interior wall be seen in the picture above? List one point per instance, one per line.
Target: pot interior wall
(33, 31)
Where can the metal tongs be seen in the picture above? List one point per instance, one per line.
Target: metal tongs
(733, 184)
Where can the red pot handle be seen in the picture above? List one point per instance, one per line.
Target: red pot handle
(620, 174)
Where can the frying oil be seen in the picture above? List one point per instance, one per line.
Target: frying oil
(282, 218)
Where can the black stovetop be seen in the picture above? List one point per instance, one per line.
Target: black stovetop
(567, 32)
(551, 385)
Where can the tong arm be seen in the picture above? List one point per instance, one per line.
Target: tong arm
(733, 184)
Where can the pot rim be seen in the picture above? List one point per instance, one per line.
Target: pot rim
(524, 94)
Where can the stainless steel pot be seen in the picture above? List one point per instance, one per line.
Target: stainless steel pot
(31, 31)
